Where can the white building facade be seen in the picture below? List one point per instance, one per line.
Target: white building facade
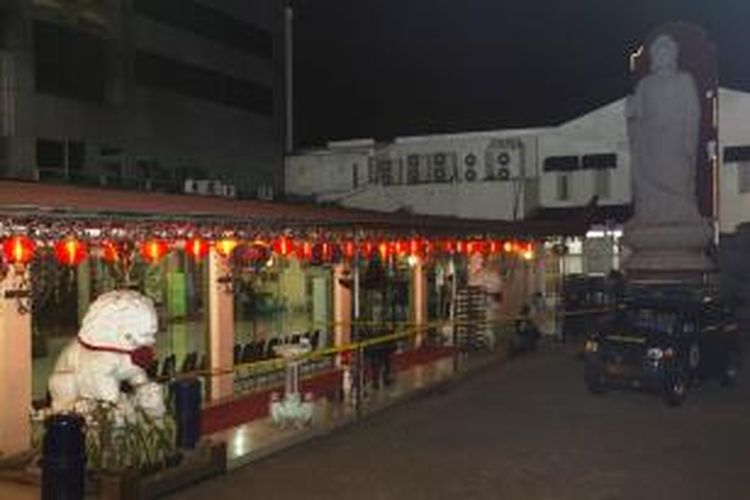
(511, 174)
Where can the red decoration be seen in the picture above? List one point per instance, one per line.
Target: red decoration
(70, 251)
(18, 250)
(349, 249)
(366, 249)
(416, 247)
(111, 251)
(284, 246)
(226, 246)
(305, 251)
(197, 248)
(495, 246)
(152, 251)
(509, 247)
(384, 250)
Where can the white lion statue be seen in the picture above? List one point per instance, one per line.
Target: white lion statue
(114, 345)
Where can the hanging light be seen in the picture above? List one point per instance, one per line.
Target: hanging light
(152, 251)
(110, 251)
(197, 248)
(416, 247)
(226, 246)
(348, 249)
(384, 250)
(509, 246)
(284, 246)
(366, 249)
(70, 251)
(494, 246)
(18, 250)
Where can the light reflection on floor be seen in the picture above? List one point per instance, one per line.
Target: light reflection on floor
(254, 439)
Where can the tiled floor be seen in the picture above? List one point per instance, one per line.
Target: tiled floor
(261, 437)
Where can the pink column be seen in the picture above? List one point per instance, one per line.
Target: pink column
(419, 298)
(342, 304)
(221, 327)
(15, 372)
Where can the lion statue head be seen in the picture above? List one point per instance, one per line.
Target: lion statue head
(124, 319)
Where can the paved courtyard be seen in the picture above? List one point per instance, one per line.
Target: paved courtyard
(524, 430)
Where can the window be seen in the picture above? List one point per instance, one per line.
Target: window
(736, 154)
(561, 163)
(563, 187)
(161, 72)
(50, 154)
(743, 177)
(62, 55)
(599, 161)
(210, 23)
(602, 182)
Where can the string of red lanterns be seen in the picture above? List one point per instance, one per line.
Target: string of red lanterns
(70, 251)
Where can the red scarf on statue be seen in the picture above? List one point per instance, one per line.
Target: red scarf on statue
(142, 356)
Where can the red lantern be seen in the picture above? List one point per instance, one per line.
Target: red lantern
(197, 248)
(70, 251)
(305, 251)
(448, 246)
(400, 247)
(110, 251)
(349, 249)
(366, 248)
(226, 246)
(18, 250)
(509, 246)
(416, 247)
(495, 246)
(461, 246)
(284, 246)
(384, 250)
(153, 250)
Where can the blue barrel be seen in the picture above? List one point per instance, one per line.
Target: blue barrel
(187, 406)
(63, 458)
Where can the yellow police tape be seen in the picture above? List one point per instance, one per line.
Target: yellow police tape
(408, 330)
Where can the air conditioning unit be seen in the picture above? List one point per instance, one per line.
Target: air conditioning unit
(412, 169)
(204, 187)
(503, 160)
(229, 191)
(470, 164)
(190, 186)
(265, 192)
(217, 188)
(442, 167)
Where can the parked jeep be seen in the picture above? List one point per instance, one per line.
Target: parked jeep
(664, 338)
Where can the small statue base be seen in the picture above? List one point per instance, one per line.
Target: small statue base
(291, 411)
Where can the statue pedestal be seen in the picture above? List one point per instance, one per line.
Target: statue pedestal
(668, 251)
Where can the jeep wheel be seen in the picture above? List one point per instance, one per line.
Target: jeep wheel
(676, 390)
(731, 372)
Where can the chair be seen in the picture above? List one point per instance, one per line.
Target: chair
(315, 340)
(168, 366)
(189, 363)
(269, 347)
(247, 353)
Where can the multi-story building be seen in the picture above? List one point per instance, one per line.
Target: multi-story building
(143, 93)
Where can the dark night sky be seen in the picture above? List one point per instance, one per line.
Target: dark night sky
(384, 68)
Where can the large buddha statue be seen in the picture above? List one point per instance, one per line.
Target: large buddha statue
(667, 231)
